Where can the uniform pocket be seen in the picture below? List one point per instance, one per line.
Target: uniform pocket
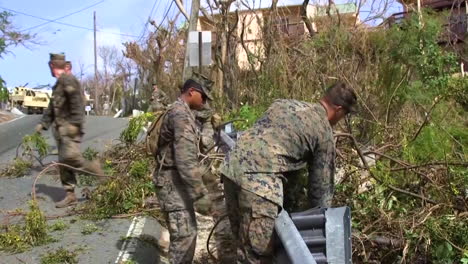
(179, 224)
(68, 130)
(261, 228)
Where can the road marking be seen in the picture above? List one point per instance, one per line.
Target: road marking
(135, 230)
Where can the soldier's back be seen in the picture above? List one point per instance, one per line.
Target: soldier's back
(282, 137)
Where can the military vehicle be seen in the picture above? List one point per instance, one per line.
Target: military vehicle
(29, 100)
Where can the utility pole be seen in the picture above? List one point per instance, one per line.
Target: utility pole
(192, 27)
(96, 95)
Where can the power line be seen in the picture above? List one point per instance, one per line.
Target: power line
(167, 12)
(54, 20)
(66, 24)
(145, 27)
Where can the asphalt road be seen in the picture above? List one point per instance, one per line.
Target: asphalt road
(105, 244)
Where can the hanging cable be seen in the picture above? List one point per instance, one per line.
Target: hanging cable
(62, 17)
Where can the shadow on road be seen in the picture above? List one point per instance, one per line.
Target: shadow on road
(55, 193)
(142, 249)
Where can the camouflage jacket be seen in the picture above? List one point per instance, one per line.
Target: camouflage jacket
(66, 105)
(203, 121)
(159, 100)
(178, 144)
(288, 137)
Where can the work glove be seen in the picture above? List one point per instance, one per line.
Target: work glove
(203, 205)
(216, 120)
(39, 128)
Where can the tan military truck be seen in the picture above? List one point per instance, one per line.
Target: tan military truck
(29, 100)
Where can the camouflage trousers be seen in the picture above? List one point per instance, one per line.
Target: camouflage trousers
(68, 139)
(182, 227)
(174, 201)
(223, 237)
(179, 214)
(252, 221)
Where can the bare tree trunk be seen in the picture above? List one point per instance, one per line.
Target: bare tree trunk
(269, 31)
(306, 19)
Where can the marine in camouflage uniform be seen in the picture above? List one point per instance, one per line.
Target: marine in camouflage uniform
(158, 101)
(290, 136)
(178, 176)
(65, 114)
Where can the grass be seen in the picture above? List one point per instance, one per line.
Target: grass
(18, 168)
(59, 226)
(17, 238)
(60, 256)
(88, 229)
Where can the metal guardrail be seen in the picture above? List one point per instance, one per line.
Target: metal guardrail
(314, 236)
(325, 231)
(291, 241)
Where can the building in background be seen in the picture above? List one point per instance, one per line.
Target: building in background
(248, 34)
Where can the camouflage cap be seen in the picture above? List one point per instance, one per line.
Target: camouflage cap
(57, 56)
(205, 83)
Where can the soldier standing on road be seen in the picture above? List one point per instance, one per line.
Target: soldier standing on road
(288, 137)
(66, 116)
(178, 175)
(158, 101)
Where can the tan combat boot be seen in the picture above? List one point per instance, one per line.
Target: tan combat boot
(70, 199)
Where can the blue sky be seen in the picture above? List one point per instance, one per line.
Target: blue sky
(29, 65)
(114, 17)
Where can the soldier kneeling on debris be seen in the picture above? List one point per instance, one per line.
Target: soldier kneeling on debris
(66, 117)
(290, 136)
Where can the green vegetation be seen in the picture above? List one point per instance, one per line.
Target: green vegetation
(16, 238)
(246, 114)
(10, 37)
(60, 256)
(18, 168)
(127, 192)
(88, 229)
(90, 154)
(412, 110)
(59, 225)
(20, 165)
(86, 179)
(35, 142)
(135, 126)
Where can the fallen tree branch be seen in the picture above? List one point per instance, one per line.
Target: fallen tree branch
(120, 216)
(426, 119)
(57, 164)
(366, 166)
(436, 163)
